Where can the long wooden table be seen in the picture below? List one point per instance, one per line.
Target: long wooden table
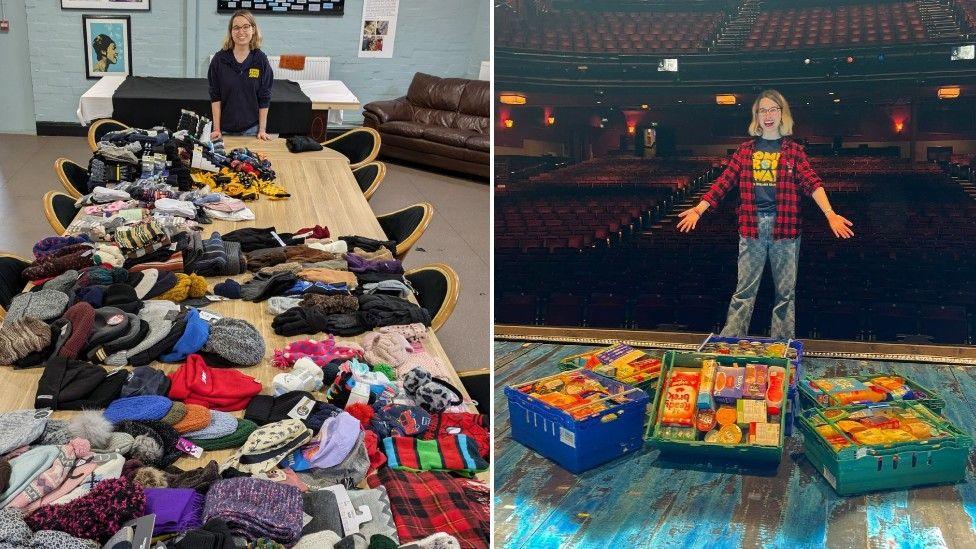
(323, 191)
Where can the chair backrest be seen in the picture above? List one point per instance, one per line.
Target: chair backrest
(406, 226)
(100, 128)
(359, 145)
(11, 283)
(369, 177)
(73, 177)
(60, 210)
(437, 289)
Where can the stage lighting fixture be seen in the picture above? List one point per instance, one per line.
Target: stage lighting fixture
(631, 130)
(948, 92)
(837, 100)
(511, 98)
(667, 65)
(963, 53)
(645, 106)
(508, 123)
(582, 68)
(725, 99)
(550, 120)
(830, 93)
(850, 59)
(806, 61)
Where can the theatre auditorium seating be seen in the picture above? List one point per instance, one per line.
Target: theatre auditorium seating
(907, 272)
(611, 32)
(823, 26)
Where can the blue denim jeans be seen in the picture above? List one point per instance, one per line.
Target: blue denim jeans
(753, 252)
(253, 130)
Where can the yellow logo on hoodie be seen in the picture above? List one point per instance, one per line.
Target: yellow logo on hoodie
(254, 73)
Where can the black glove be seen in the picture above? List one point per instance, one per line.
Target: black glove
(298, 320)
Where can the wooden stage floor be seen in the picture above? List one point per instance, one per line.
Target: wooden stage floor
(644, 501)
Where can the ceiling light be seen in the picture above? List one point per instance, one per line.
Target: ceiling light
(725, 99)
(948, 92)
(512, 98)
(837, 100)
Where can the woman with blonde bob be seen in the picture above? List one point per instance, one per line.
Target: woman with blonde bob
(770, 171)
(240, 81)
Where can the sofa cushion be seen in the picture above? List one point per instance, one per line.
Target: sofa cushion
(478, 142)
(433, 92)
(434, 117)
(474, 98)
(406, 129)
(447, 136)
(471, 122)
(431, 147)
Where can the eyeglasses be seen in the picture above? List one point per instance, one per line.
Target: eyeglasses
(241, 28)
(770, 110)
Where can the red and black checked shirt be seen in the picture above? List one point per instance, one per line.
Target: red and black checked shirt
(429, 502)
(793, 174)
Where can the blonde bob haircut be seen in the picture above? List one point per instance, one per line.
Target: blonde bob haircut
(255, 38)
(786, 118)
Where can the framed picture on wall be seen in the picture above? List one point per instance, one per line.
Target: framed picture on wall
(108, 43)
(121, 5)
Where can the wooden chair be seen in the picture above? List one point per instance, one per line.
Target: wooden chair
(60, 210)
(477, 383)
(437, 288)
(101, 127)
(369, 176)
(406, 226)
(73, 176)
(359, 145)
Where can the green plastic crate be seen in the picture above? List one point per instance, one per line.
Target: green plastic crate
(697, 449)
(859, 469)
(810, 399)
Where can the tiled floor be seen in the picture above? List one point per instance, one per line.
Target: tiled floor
(459, 234)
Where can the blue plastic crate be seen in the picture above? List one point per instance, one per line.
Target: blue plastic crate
(579, 445)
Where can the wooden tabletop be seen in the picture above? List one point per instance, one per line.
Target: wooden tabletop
(324, 192)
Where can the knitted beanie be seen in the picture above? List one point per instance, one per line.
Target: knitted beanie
(228, 288)
(117, 442)
(213, 261)
(186, 286)
(145, 380)
(51, 244)
(161, 454)
(80, 319)
(234, 440)
(42, 305)
(110, 324)
(165, 281)
(64, 282)
(175, 414)
(100, 276)
(243, 503)
(166, 343)
(236, 341)
(144, 407)
(157, 329)
(197, 417)
(264, 409)
(22, 337)
(236, 264)
(268, 445)
(221, 425)
(25, 468)
(122, 296)
(69, 384)
(21, 428)
(94, 295)
(226, 390)
(97, 515)
(199, 479)
(143, 281)
(254, 238)
(192, 340)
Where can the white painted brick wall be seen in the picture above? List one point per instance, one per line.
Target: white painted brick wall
(441, 37)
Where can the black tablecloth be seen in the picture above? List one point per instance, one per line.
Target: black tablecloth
(147, 101)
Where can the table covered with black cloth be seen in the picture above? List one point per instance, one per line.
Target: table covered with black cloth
(147, 101)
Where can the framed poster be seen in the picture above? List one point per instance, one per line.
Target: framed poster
(284, 7)
(121, 5)
(108, 40)
(378, 28)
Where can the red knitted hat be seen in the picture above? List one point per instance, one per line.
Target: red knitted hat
(81, 317)
(218, 389)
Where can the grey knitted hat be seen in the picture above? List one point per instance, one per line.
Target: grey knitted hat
(118, 442)
(236, 341)
(42, 305)
(20, 428)
(280, 303)
(153, 312)
(23, 337)
(64, 282)
(56, 432)
(221, 425)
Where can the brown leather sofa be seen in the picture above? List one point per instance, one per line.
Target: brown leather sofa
(441, 122)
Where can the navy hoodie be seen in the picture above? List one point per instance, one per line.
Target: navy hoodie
(241, 88)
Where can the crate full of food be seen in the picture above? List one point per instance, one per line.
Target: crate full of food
(577, 418)
(758, 346)
(619, 361)
(721, 406)
(892, 445)
(829, 392)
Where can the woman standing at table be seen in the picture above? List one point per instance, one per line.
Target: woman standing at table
(770, 170)
(240, 81)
